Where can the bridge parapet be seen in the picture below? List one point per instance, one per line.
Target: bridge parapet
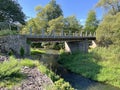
(61, 34)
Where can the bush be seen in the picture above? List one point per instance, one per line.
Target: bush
(22, 51)
(10, 53)
(9, 68)
(62, 85)
(10, 72)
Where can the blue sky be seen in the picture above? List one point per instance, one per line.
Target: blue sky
(79, 8)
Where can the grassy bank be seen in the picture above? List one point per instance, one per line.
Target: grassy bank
(100, 64)
(8, 32)
(11, 75)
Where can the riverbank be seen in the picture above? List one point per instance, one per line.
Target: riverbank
(24, 73)
(100, 64)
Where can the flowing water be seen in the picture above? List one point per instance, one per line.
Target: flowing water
(78, 82)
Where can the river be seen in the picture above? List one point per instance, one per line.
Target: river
(77, 81)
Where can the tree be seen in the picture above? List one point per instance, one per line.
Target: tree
(56, 24)
(10, 11)
(71, 23)
(111, 6)
(51, 11)
(91, 22)
(45, 18)
(108, 32)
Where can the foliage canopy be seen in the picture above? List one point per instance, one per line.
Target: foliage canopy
(10, 11)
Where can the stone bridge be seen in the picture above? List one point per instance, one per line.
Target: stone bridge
(73, 42)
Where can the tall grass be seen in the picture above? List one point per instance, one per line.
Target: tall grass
(10, 74)
(59, 83)
(100, 64)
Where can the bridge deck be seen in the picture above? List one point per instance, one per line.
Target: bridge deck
(59, 38)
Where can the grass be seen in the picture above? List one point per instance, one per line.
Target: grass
(37, 51)
(11, 75)
(100, 64)
(59, 83)
(8, 32)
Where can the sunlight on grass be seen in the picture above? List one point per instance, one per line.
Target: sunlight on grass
(11, 75)
(37, 51)
(100, 64)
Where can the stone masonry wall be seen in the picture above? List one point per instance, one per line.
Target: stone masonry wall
(14, 43)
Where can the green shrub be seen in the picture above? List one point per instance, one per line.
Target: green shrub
(9, 68)
(61, 51)
(10, 71)
(10, 53)
(62, 85)
(22, 51)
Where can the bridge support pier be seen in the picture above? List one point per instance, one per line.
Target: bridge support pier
(77, 46)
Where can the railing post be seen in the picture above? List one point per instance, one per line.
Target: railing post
(30, 30)
(90, 34)
(61, 32)
(65, 34)
(69, 33)
(43, 33)
(94, 34)
(73, 34)
(80, 34)
(86, 34)
(76, 34)
(54, 33)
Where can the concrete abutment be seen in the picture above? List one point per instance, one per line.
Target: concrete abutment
(77, 46)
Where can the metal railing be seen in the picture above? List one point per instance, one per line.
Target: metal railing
(62, 34)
